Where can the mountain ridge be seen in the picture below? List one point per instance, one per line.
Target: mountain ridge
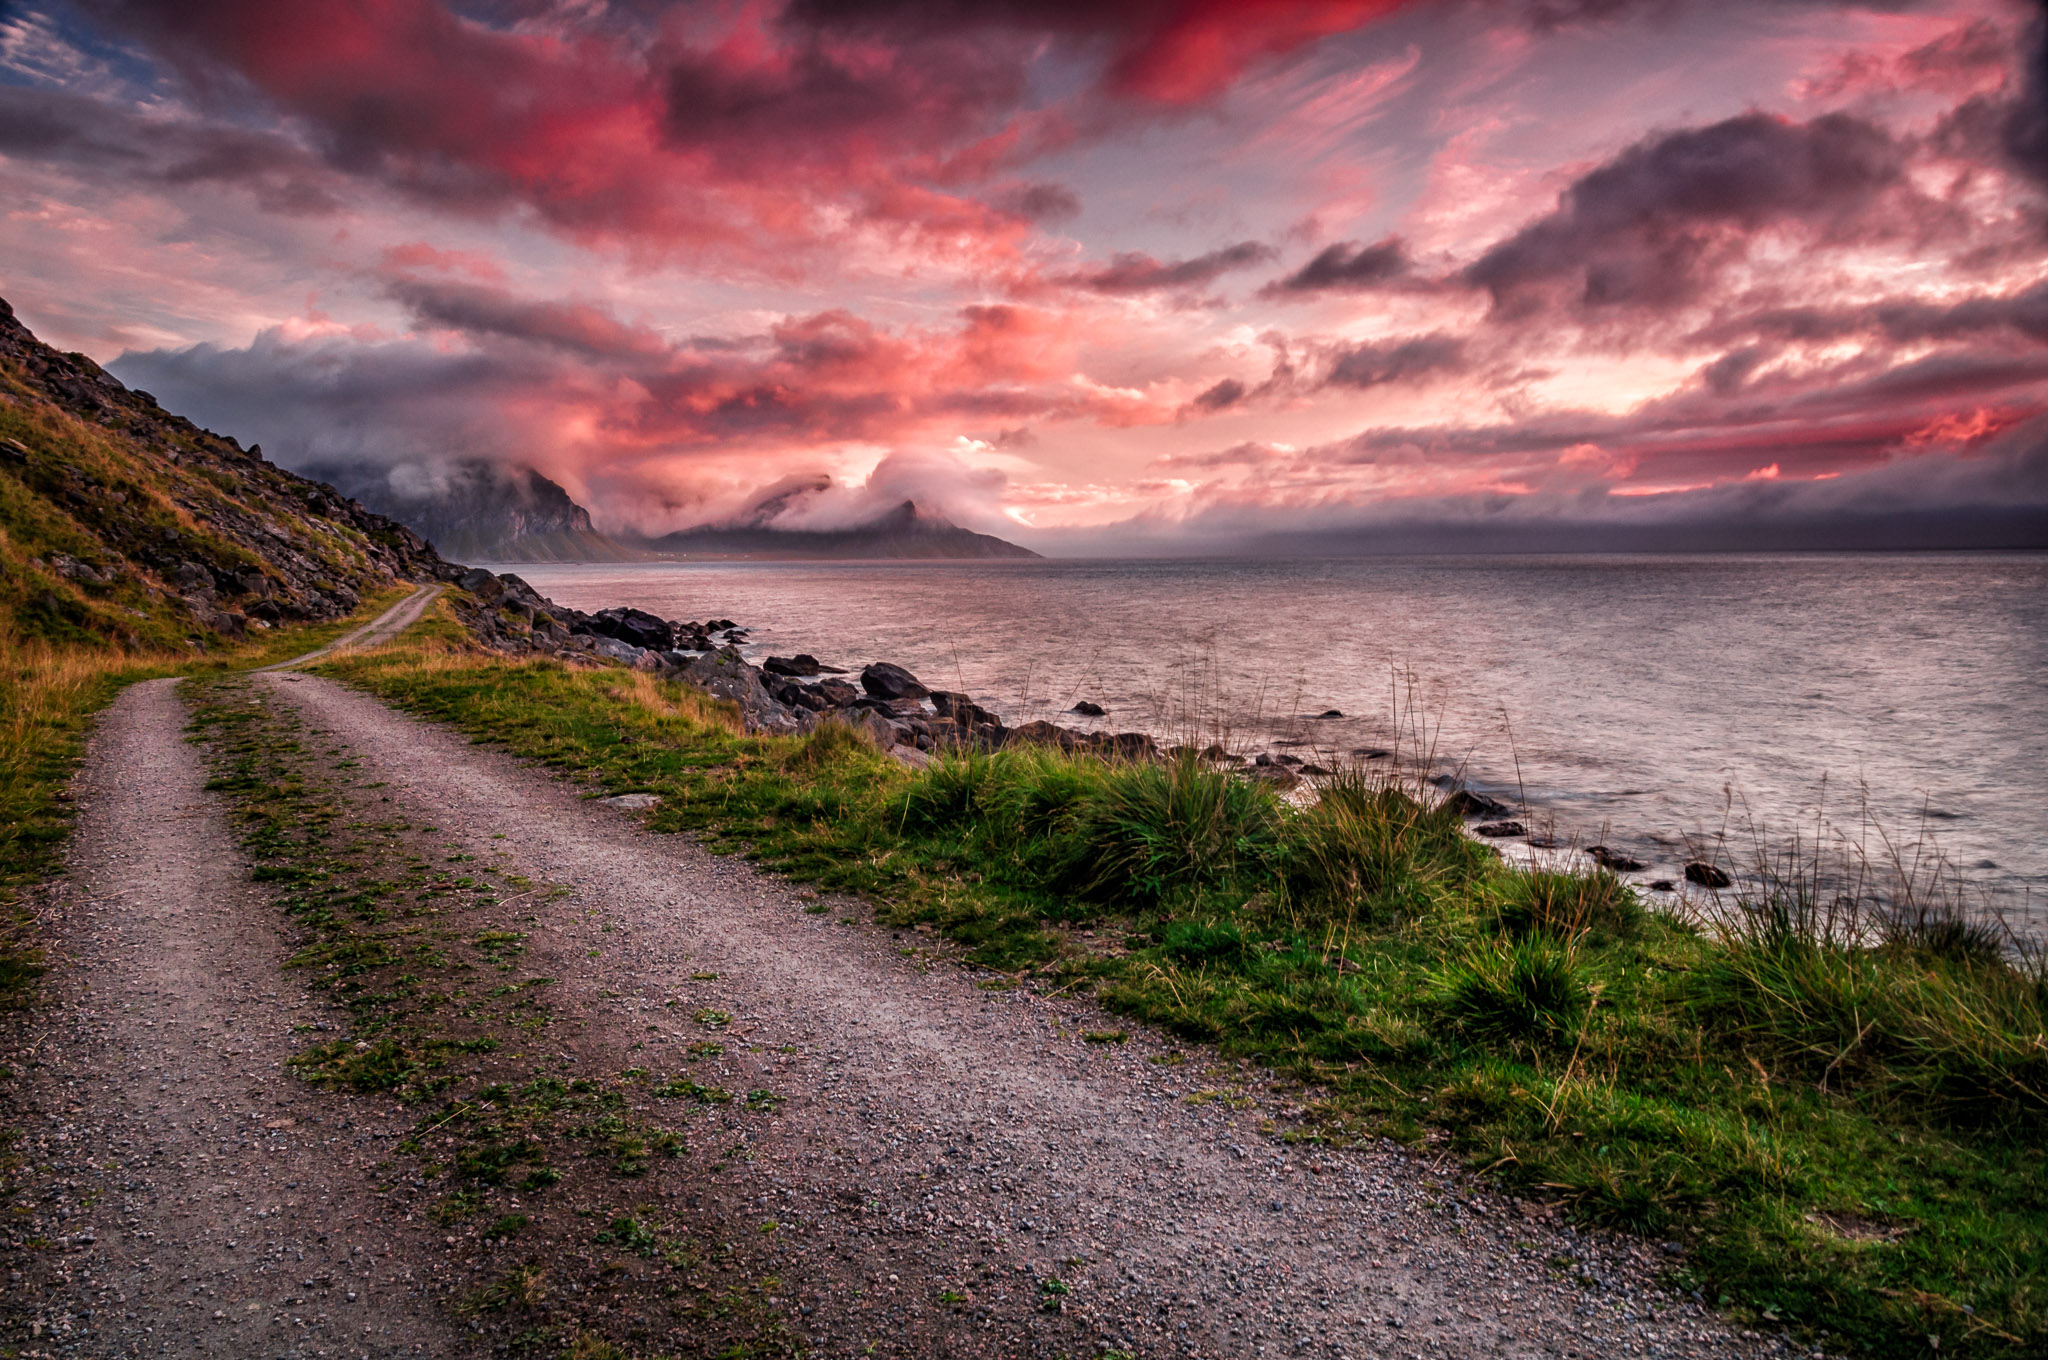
(905, 531)
(479, 511)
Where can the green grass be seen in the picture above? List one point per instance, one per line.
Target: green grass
(1848, 1140)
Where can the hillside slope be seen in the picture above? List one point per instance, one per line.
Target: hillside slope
(480, 512)
(122, 523)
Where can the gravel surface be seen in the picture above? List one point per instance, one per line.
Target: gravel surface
(383, 628)
(961, 1170)
(949, 1169)
(184, 1195)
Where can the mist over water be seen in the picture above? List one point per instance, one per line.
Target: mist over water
(1627, 698)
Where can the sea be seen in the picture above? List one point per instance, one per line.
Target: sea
(1664, 706)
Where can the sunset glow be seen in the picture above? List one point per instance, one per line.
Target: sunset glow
(1165, 275)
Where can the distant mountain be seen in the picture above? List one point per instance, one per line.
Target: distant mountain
(121, 522)
(904, 532)
(477, 511)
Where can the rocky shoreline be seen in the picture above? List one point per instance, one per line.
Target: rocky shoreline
(784, 695)
(905, 717)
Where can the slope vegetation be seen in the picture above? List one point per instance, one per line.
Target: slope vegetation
(124, 525)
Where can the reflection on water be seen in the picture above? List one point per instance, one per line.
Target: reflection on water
(1628, 697)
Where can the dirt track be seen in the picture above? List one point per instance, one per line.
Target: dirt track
(197, 1199)
(383, 628)
(956, 1170)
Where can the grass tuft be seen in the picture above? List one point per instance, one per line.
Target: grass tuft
(1522, 992)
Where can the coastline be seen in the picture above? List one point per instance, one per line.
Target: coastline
(1739, 1087)
(1671, 866)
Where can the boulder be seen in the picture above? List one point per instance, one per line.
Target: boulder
(195, 576)
(803, 663)
(1370, 752)
(887, 681)
(837, 693)
(1614, 859)
(481, 583)
(1707, 875)
(616, 650)
(1542, 841)
(1469, 804)
(1126, 745)
(1042, 733)
(803, 696)
(730, 678)
(1089, 710)
(1331, 713)
(961, 709)
(875, 727)
(635, 626)
(1497, 830)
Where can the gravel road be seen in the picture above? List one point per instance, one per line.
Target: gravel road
(383, 628)
(955, 1170)
(190, 1197)
(930, 1122)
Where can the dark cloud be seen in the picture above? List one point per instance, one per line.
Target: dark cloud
(1347, 267)
(1174, 51)
(2022, 314)
(585, 329)
(111, 141)
(1652, 228)
(817, 104)
(1393, 361)
(1221, 397)
(1136, 272)
(1039, 202)
(2024, 134)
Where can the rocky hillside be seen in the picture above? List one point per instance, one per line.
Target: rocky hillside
(120, 522)
(478, 511)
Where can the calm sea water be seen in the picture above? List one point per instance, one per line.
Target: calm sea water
(1629, 699)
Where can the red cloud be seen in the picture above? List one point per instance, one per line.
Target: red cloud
(779, 133)
(1169, 51)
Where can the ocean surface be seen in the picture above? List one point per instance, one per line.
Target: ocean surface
(1648, 703)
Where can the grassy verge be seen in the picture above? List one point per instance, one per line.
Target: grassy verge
(49, 694)
(1847, 1140)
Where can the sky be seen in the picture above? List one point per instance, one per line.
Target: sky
(1153, 277)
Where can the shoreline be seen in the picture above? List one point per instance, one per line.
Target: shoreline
(1737, 1089)
(913, 722)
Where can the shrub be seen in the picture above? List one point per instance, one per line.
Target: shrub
(1151, 831)
(1370, 848)
(1963, 1043)
(829, 743)
(1036, 794)
(950, 792)
(1568, 903)
(1521, 991)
